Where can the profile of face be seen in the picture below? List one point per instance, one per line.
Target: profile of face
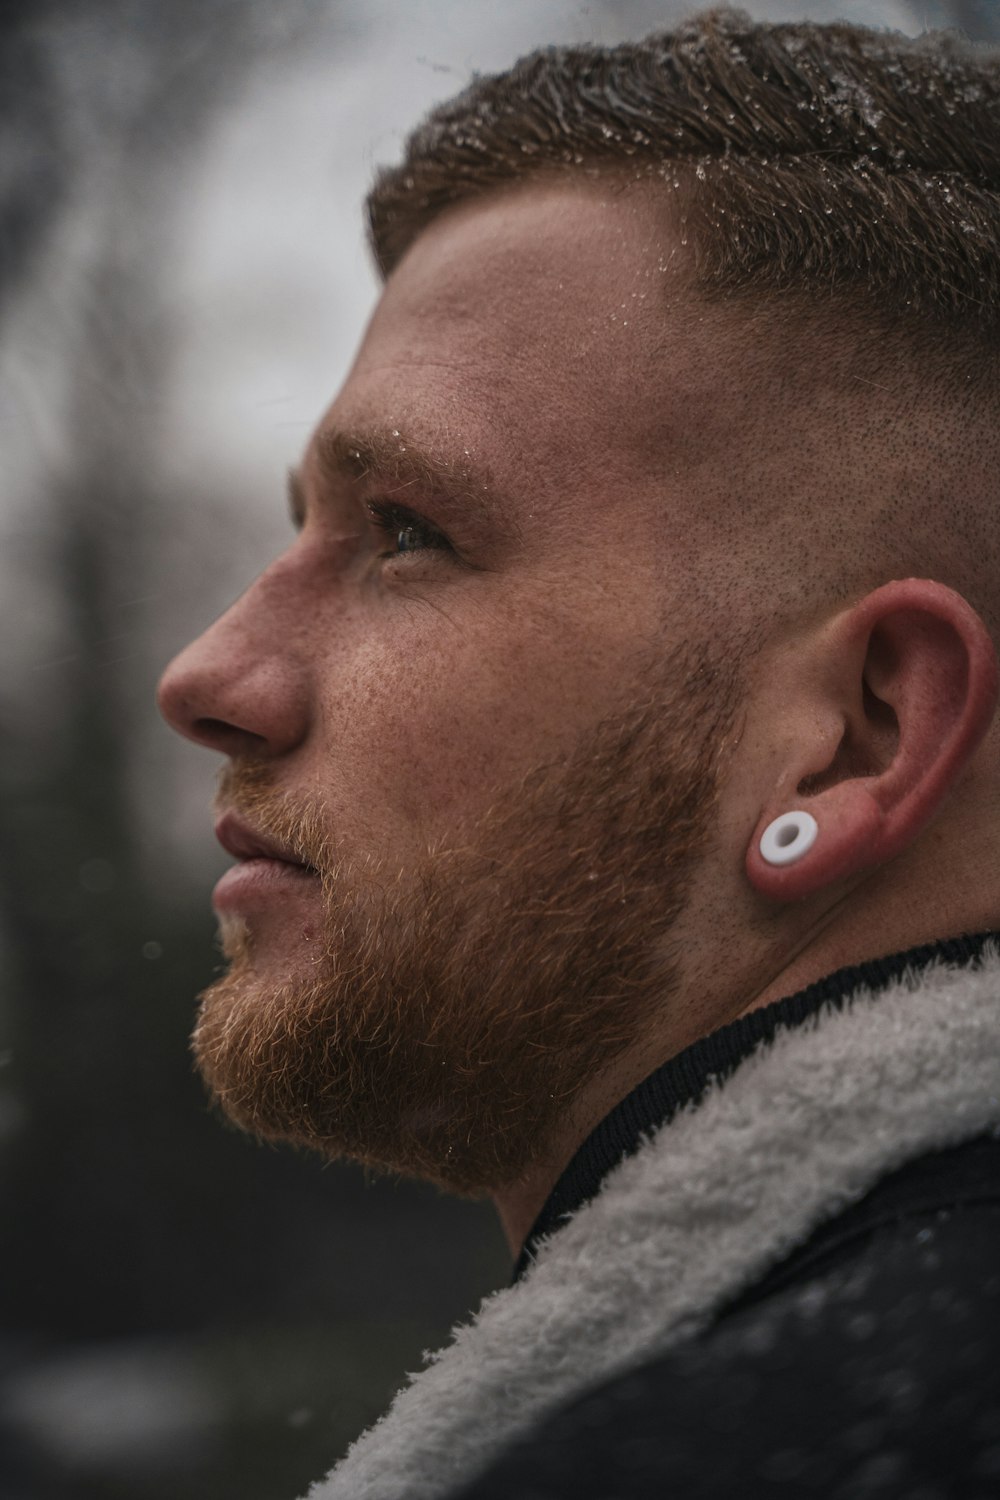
(479, 696)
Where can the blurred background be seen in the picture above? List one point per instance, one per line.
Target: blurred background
(183, 280)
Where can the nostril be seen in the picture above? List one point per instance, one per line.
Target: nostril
(235, 705)
(220, 734)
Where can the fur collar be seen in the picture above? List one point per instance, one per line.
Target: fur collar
(711, 1200)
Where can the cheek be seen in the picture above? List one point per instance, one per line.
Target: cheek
(429, 722)
(439, 701)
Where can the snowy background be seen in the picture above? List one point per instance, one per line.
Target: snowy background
(183, 282)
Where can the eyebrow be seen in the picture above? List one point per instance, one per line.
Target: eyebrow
(346, 460)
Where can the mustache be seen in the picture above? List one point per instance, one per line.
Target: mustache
(297, 820)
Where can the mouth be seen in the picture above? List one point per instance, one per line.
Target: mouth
(252, 848)
(264, 872)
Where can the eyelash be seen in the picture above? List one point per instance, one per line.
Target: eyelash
(394, 520)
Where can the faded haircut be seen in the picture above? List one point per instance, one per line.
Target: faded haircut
(829, 170)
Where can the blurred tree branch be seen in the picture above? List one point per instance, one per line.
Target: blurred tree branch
(109, 102)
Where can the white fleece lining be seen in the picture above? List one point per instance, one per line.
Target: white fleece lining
(728, 1187)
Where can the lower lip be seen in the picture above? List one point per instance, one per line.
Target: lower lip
(255, 881)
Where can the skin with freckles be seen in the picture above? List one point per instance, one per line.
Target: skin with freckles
(570, 619)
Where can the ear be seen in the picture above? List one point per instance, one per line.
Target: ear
(911, 677)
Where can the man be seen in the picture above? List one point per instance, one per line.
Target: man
(620, 736)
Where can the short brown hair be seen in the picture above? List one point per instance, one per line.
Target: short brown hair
(822, 163)
(838, 188)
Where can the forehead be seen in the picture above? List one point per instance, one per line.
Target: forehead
(549, 318)
(570, 252)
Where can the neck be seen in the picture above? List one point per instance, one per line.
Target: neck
(847, 934)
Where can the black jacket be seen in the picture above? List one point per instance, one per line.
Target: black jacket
(866, 1364)
(773, 1270)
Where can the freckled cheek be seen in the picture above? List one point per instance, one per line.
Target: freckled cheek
(423, 733)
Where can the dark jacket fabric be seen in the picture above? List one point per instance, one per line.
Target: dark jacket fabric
(683, 1079)
(867, 1364)
(774, 1270)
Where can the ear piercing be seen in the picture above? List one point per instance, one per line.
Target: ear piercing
(788, 838)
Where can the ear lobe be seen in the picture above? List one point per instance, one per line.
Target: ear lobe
(850, 825)
(919, 683)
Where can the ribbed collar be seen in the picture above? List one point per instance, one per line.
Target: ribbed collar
(685, 1077)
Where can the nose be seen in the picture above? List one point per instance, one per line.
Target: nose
(241, 686)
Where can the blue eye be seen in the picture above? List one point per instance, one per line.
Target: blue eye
(407, 540)
(407, 530)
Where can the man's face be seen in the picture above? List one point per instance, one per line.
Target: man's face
(476, 694)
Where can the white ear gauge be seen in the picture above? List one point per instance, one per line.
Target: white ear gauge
(788, 838)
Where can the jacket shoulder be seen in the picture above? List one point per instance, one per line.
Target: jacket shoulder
(870, 1372)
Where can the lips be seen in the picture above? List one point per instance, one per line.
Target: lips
(267, 878)
(243, 842)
